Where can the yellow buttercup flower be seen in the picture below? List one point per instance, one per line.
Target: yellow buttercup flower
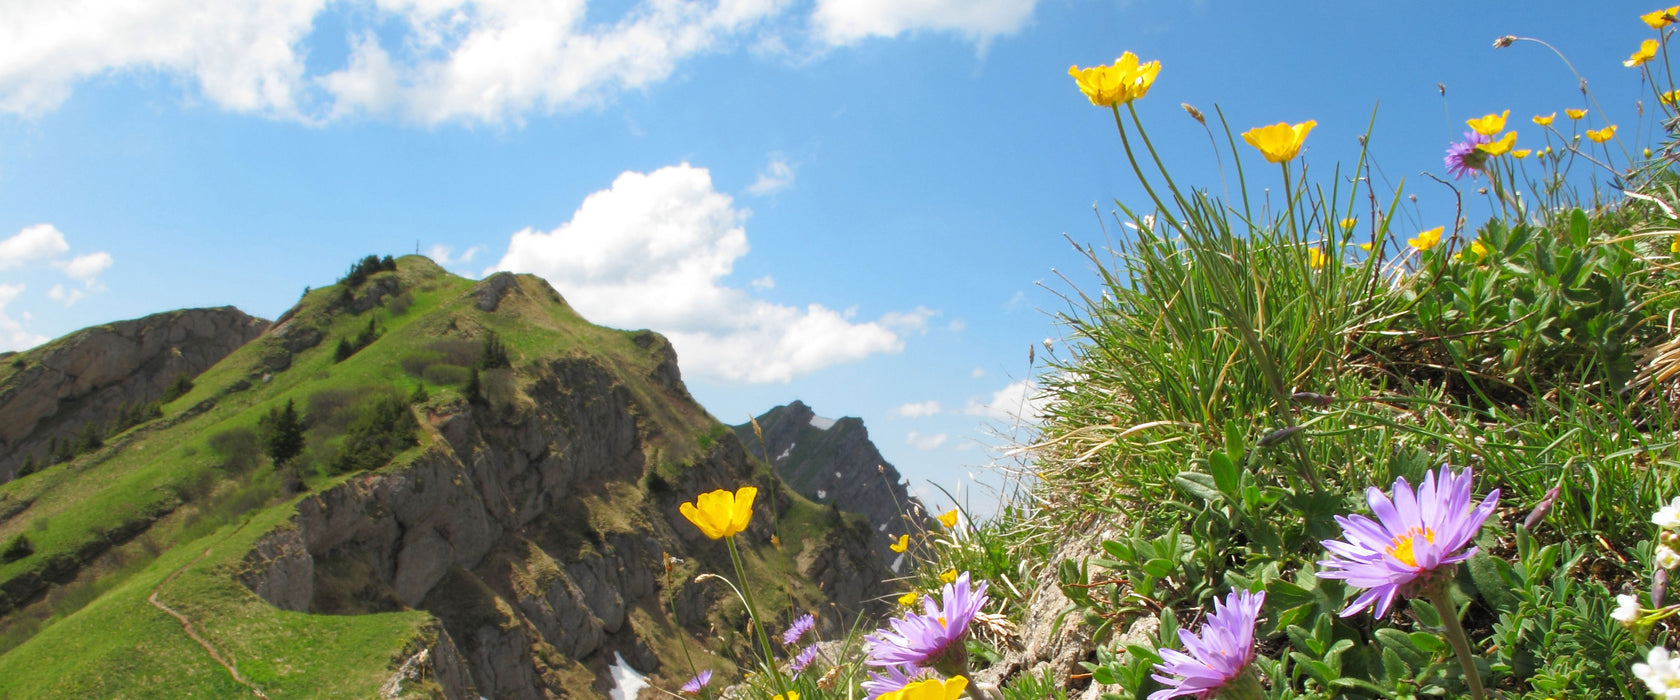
(1575, 113)
(1315, 258)
(1602, 135)
(1546, 120)
(1660, 18)
(721, 514)
(1668, 98)
(930, 689)
(1348, 224)
(908, 599)
(1427, 239)
(949, 576)
(1279, 142)
(791, 695)
(1476, 253)
(902, 544)
(1112, 86)
(1490, 124)
(1647, 51)
(1521, 153)
(1499, 147)
(1365, 247)
(949, 519)
(1674, 245)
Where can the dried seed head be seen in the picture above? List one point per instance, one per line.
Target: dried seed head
(1194, 113)
(1504, 41)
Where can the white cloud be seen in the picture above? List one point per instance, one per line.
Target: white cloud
(86, 268)
(918, 410)
(1019, 400)
(492, 61)
(60, 295)
(445, 255)
(849, 21)
(977, 372)
(775, 177)
(765, 282)
(926, 442)
(32, 243)
(13, 336)
(652, 252)
(956, 325)
(243, 56)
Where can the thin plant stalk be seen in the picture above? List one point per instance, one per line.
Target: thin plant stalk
(1436, 593)
(758, 623)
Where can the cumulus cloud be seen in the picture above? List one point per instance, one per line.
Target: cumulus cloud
(977, 372)
(926, 442)
(13, 336)
(445, 255)
(86, 268)
(775, 177)
(1019, 400)
(654, 251)
(765, 282)
(243, 56)
(66, 297)
(432, 61)
(918, 410)
(32, 243)
(842, 22)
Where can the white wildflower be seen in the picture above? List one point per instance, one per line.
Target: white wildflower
(1668, 517)
(1667, 558)
(1627, 610)
(1660, 673)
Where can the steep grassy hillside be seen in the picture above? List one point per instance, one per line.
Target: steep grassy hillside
(483, 485)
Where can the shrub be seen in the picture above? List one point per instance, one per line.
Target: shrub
(447, 375)
(325, 406)
(178, 388)
(459, 351)
(16, 549)
(379, 430)
(238, 448)
(495, 353)
(415, 363)
(398, 305)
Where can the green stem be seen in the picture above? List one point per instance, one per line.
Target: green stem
(671, 600)
(1153, 155)
(1160, 208)
(1438, 596)
(758, 623)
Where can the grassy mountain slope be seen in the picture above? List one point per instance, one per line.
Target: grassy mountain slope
(176, 505)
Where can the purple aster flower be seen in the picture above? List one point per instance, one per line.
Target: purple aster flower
(802, 660)
(1414, 536)
(895, 678)
(1218, 656)
(798, 629)
(923, 640)
(693, 686)
(1463, 158)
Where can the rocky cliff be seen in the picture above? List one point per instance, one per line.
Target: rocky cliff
(834, 462)
(53, 392)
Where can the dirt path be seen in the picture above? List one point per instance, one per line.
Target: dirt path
(187, 626)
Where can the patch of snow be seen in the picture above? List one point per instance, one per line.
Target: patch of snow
(883, 527)
(898, 563)
(836, 475)
(822, 494)
(785, 453)
(821, 423)
(627, 683)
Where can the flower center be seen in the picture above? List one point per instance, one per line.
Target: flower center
(1401, 547)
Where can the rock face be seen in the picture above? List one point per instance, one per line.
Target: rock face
(92, 374)
(536, 534)
(833, 462)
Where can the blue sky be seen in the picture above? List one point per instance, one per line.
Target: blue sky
(857, 203)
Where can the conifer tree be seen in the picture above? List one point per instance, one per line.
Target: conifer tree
(285, 434)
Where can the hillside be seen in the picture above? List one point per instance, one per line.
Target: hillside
(834, 462)
(478, 501)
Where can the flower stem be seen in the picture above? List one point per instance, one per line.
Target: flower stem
(758, 624)
(1438, 596)
(1159, 205)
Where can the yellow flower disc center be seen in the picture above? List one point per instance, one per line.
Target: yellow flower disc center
(1401, 547)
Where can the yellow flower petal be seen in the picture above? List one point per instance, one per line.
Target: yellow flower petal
(1575, 113)
(1668, 98)
(1427, 239)
(1602, 135)
(1660, 18)
(1674, 245)
(721, 514)
(1499, 147)
(902, 544)
(1112, 86)
(1315, 258)
(791, 695)
(1647, 51)
(1521, 153)
(1546, 120)
(1365, 247)
(1279, 142)
(908, 599)
(949, 576)
(949, 519)
(1490, 124)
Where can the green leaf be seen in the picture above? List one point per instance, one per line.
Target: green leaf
(1225, 475)
(1578, 228)
(1198, 485)
(1286, 595)
(1159, 568)
(1233, 441)
(1119, 550)
(1428, 642)
(1489, 575)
